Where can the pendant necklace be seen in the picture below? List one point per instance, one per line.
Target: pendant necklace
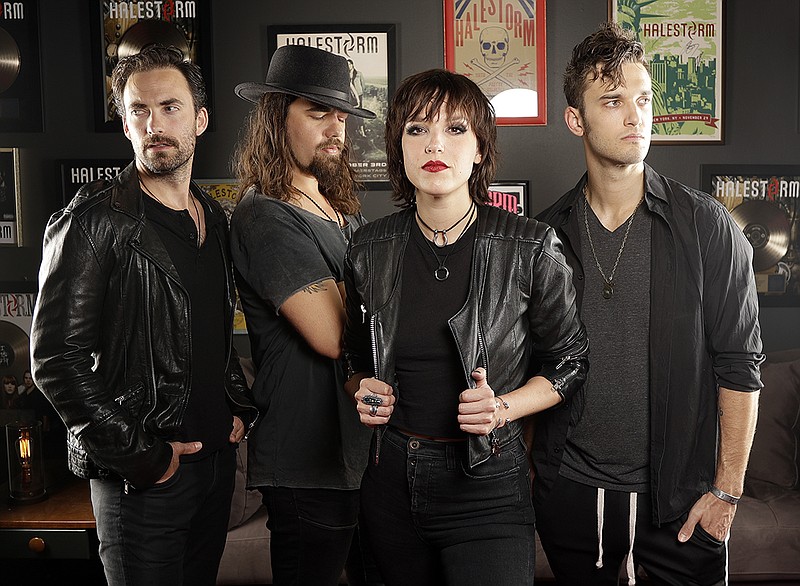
(608, 282)
(444, 232)
(338, 219)
(200, 232)
(442, 272)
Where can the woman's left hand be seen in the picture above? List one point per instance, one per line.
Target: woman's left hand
(477, 408)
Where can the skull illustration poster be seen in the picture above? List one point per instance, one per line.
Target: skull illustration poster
(684, 43)
(500, 45)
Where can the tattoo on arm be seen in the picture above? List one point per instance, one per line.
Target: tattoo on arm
(315, 288)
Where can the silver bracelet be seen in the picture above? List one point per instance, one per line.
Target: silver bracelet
(502, 421)
(724, 496)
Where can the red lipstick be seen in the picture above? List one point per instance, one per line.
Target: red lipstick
(434, 166)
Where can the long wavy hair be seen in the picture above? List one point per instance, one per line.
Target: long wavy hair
(601, 54)
(421, 96)
(263, 158)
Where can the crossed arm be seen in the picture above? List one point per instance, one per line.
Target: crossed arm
(317, 313)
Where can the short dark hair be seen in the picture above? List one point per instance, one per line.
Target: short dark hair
(423, 94)
(157, 57)
(601, 54)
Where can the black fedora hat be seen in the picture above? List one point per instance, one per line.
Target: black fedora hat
(306, 72)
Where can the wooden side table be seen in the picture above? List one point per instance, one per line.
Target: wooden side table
(60, 527)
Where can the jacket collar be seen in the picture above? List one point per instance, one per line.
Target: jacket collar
(127, 197)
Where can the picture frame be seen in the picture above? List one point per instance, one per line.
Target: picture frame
(685, 42)
(17, 302)
(74, 173)
(511, 196)
(10, 198)
(226, 192)
(372, 50)
(21, 108)
(764, 200)
(502, 47)
(124, 28)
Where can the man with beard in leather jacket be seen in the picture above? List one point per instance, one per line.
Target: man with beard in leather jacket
(132, 338)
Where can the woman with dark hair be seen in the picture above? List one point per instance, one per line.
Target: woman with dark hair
(10, 397)
(461, 321)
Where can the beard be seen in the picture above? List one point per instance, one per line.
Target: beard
(164, 163)
(328, 170)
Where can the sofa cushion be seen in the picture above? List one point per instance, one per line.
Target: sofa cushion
(244, 502)
(765, 536)
(774, 457)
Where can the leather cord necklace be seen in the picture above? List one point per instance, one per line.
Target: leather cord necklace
(338, 219)
(201, 235)
(442, 272)
(444, 232)
(608, 282)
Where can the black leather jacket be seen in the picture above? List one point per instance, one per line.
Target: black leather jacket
(520, 310)
(111, 337)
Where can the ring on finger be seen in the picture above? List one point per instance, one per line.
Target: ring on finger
(373, 400)
(373, 410)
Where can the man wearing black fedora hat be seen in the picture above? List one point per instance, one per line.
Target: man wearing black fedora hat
(290, 229)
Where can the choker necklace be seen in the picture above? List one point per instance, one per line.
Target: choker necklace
(444, 232)
(338, 219)
(442, 272)
(608, 282)
(200, 233)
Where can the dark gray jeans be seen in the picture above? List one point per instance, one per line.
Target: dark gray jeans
(433, 520)
(171, 534)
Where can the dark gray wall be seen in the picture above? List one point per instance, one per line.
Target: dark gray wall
(762, 64)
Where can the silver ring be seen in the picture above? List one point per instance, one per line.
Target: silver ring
(374, 400)
(373, 410)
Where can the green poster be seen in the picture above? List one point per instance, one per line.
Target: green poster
(683, 42)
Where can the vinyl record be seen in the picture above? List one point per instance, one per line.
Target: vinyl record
(151, 32)
(767, 228)
(15, 354)
(9, 60)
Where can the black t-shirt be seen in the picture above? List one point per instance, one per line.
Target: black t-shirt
(202, 273)
(309, 435)
(430, 374)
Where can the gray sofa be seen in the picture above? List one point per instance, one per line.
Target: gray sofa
(765, 538)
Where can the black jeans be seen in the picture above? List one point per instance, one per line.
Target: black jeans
(170, 534)
(433, 520)
(311, 533)
(567, 524)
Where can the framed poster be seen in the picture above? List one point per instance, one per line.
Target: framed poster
(512, 196)
(76, 172)
(121, 28)
(10, 198)
(764, 200)
(226, 192)
(371, 50)
(501, 47)
(21, 400)
(20, 70)
(16, 312)
(685, 44)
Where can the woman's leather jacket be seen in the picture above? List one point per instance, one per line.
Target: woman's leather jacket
(520, 310)
(111, 334)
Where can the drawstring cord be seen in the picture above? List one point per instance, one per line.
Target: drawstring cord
(630, 568)
(601, 505)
